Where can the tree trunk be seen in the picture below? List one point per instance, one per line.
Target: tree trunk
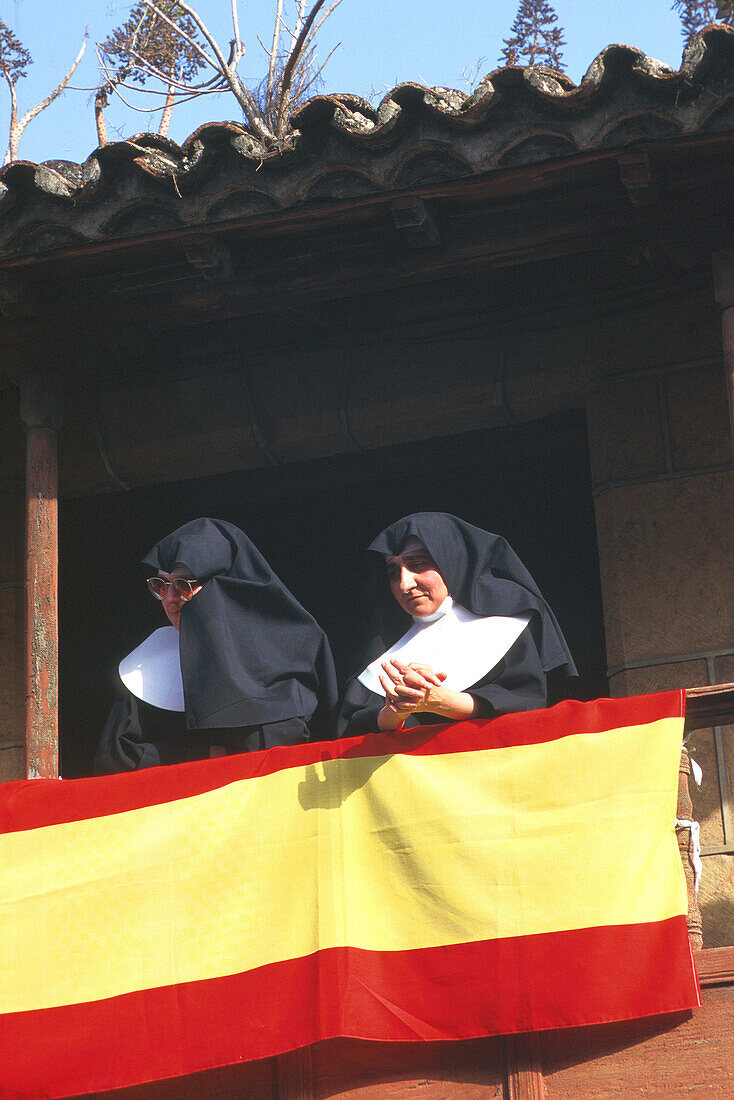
(100, 102)
(12, 153)
(167, 111)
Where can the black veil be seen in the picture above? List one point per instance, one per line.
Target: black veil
(482, 573)
(250, 654)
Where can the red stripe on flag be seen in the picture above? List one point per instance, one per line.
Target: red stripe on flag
(31, 804)
(560, 979)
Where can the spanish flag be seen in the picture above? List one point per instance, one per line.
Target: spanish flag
(449, 882)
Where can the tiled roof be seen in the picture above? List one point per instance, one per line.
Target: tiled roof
(343, 147)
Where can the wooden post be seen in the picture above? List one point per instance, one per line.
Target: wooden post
(40, 410)
(525, 1080)
(723, 263)
(685, 843)
(295, 1075)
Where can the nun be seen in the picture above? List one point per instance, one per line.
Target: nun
(481, 641)
(242, 666)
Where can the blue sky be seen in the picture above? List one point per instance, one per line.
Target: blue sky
(381, 43)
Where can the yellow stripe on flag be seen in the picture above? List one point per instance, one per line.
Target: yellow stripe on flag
(383, 853)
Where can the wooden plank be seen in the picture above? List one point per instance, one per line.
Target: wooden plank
(253, 1081)
(715, 966)
(659, 1058)
(350, 1069)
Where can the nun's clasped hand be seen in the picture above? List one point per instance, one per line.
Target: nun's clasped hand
(410, 687)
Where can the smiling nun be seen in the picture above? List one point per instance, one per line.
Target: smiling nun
(481, 640)
(242, 665)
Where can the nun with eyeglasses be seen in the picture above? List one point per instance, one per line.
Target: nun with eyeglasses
(240, 667)
(459, 630)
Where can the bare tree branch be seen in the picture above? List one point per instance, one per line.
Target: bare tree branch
(157, 42)
(295, 53)
(243, 96)
(20, 126)
(300, 16)
(180, 98)
(313, 79)
(238, 43)
(272, 64)
(317, 28)
(141, 51)
(166, 78)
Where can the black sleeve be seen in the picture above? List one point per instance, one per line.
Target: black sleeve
(517, 683)
(122, 746)
(321, 723)
(137, 735)
(359, 710)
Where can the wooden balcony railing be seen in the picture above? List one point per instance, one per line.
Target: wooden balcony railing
(709, 706)
(705, 707)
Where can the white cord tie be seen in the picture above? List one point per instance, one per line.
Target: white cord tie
(695, 829)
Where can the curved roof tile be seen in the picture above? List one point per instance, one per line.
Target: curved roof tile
(343, 146)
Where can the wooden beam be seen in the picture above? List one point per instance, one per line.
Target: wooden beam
(712, 705)
(40, 410)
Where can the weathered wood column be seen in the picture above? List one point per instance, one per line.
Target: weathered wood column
(685, 844)
(723, 263)
(40, 411)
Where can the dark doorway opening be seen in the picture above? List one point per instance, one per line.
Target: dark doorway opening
(313, 521)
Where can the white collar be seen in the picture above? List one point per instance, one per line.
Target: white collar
(444, 609)
(455, 641)
(152, 672)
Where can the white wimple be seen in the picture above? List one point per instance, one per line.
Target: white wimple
(152, 672)
(455, 641)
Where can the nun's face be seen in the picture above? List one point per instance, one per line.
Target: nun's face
(415, 581)
(175, 596)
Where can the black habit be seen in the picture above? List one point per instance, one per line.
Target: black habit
(257, 669)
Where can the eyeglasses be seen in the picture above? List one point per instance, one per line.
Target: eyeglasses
(182, 587)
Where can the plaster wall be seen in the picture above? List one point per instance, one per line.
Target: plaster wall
(664, 501)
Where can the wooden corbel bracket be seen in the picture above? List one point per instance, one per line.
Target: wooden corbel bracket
(412, 218)
(638, 177)
(210, 259)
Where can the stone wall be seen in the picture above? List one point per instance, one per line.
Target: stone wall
(664, 499)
